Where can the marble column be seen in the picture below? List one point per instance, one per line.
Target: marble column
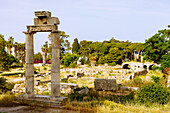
(29, 68)
(55, 69)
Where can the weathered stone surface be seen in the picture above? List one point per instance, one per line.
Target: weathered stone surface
(142, 72)
(42, 28)
(65, 87)
(49, 20)
(79, 75)
(44, 23)
(84, 91)
(129, 88)
(105, 84)
(36, 82)
(68, 76)
(41, 14)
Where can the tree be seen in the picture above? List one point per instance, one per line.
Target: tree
(44, 50)
(15, 49)
(157, 46)
(22, 52)
(113, 56)
(9, 44)
(3, 54)
(38, 58)
(75, 46)
(64, 44)
(69, 59)
(84, 48)
(6, 60)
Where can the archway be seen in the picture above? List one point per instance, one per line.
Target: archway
(126, 66)
(44, 23)
(145, 66)
(150, 66)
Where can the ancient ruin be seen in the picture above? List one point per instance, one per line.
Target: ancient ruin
(43, 23)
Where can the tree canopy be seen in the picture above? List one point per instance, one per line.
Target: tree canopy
(157, 46)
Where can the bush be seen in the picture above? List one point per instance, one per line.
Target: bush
(155, 79)
(112, 64)
(94, 95)
(69, 59)
(72, 65)
(153, 93)
(2, 81)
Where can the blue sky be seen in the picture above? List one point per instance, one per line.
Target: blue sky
(95, 20)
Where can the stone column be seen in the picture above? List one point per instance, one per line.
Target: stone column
(29, 71)
(55, 69)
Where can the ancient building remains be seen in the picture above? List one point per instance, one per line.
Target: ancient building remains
(43, 23)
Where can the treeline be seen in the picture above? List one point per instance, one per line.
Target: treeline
(8, 60)
(108, 51)
(111, 52)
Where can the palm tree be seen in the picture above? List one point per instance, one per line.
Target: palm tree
(22, 49)
(15, 49)
(44, 50)
(21, 52)
(9, 44)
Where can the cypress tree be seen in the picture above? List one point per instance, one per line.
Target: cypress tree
(75, 46)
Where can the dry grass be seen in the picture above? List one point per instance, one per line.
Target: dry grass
(7, 100)
(112, 107)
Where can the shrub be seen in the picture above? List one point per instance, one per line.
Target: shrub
(44, 68)
(2, 81)
(72, 65)
(94, 95)
(69, 59)
(112, 64)
(9, 85)
(155, 79)
(153, 93)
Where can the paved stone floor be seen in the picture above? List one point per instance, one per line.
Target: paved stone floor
(28, 109)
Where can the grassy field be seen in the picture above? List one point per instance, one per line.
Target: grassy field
(93, 105)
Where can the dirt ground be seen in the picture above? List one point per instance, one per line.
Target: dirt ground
(28, 109)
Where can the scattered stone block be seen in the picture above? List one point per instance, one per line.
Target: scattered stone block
(36, 82)
(105, 84)
(84, 91)
(79, 75)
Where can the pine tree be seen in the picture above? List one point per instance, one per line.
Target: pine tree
(75, 46)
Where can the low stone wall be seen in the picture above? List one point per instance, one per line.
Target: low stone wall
(138, 73)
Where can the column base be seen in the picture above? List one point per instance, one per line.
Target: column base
(41, 100)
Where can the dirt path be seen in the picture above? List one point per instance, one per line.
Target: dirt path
(28, 109)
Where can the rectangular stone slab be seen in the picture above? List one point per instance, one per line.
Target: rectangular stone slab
(41, 28)
(45, 21)
(42, 14)
(105, 84)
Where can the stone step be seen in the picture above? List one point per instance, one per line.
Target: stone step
(42, 100)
